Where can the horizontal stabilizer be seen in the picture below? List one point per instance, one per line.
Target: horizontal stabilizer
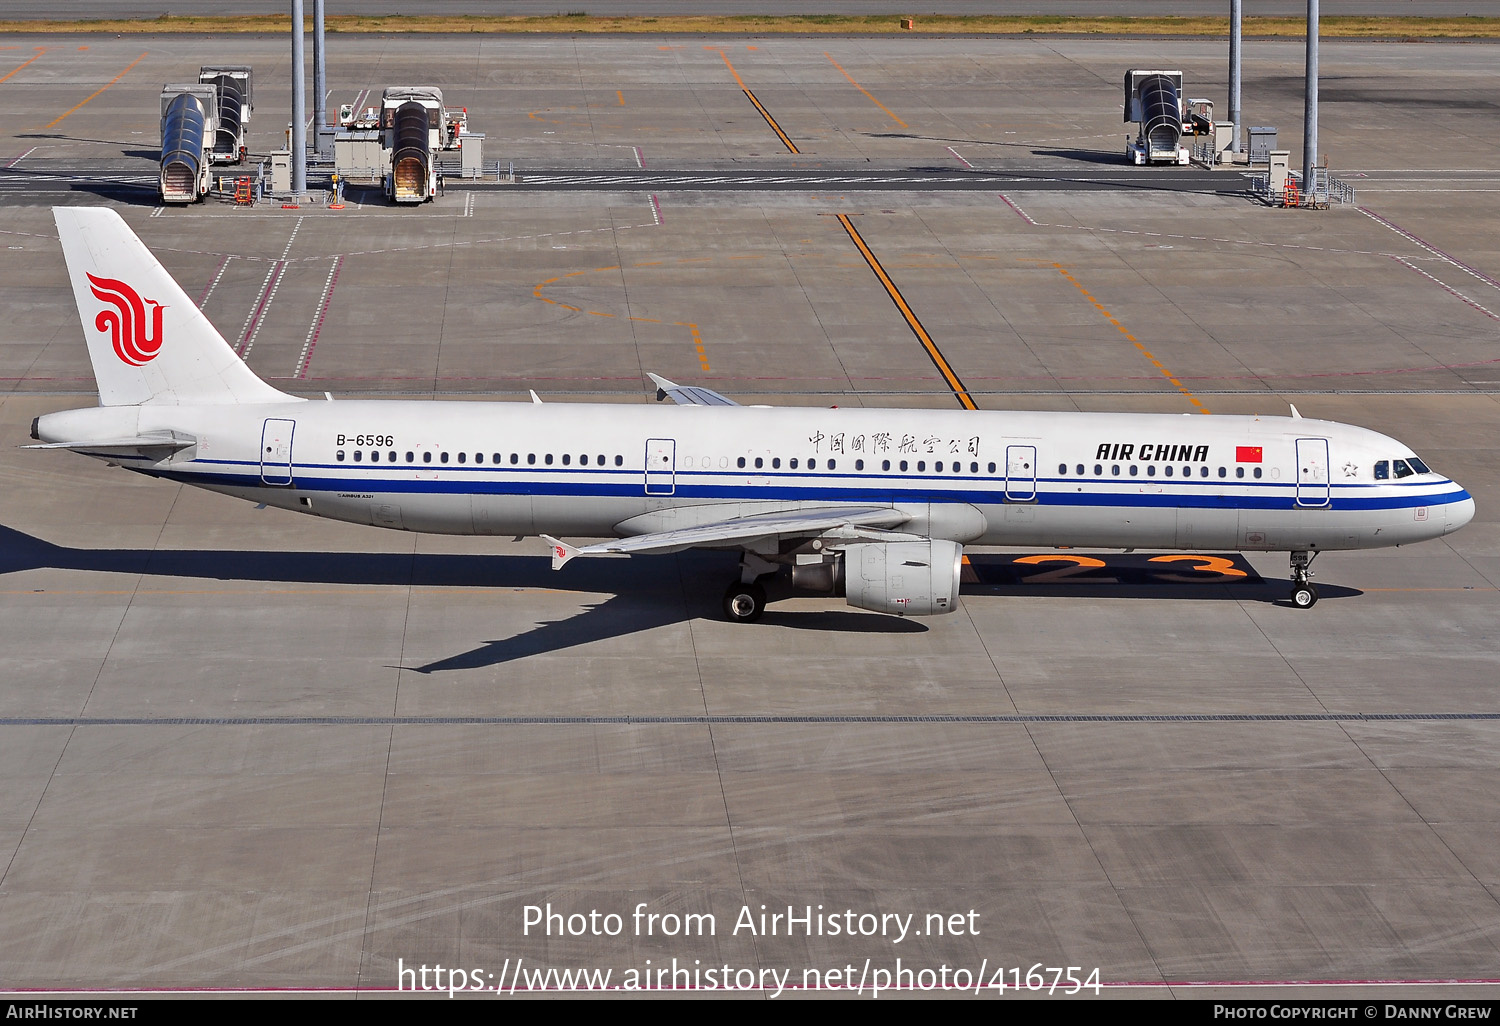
(157, 445)
(688, 395)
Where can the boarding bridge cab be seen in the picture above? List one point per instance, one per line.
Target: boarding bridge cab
(1153, 101)
(189, 120)
(234, 102)
(412, 125)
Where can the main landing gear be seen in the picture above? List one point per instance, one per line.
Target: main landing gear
(744, 603)
(745, 599)
(1304, 593)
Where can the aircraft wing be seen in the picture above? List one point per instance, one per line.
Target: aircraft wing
(688, 395)
(740, 530)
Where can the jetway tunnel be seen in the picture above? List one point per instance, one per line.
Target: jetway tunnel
(411, 156)
(183, 170)
(1162, 125)
(1153, 100)
(229, 134)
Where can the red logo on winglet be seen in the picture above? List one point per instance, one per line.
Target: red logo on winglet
(126, 323)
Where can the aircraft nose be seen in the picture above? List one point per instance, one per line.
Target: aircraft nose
(1459, 514)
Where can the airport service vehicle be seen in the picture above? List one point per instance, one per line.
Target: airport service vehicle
(875, 505)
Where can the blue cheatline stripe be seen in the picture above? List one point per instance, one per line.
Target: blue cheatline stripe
(632, 487)
(685, 477)
(503, 721)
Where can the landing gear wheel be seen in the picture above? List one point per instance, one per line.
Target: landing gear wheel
(1304, 595)
(744, 603)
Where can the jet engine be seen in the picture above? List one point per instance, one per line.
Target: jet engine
(915, 578)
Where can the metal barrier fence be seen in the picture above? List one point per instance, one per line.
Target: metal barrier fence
(1325, 191)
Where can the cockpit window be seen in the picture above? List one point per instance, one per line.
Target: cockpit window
(1418, 465)
(1382, 470)
(1401, 469)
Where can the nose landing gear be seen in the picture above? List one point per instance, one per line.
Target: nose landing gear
(1304, 593)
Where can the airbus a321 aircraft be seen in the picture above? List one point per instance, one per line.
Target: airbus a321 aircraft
(875, 505)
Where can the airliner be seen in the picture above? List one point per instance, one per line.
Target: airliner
(869, 504)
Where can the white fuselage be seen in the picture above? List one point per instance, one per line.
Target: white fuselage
(991, 478)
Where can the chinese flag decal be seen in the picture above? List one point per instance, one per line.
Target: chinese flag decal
(1247, 454)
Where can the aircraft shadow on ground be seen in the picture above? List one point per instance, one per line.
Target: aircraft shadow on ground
(644, 592)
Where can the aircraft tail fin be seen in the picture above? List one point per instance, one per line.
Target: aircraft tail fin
(148, 342)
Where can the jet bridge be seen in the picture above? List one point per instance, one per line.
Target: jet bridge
(234, 103)
(1153, 101)
(412, 119)
(187, 127)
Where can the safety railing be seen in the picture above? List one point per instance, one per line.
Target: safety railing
(1323, 191)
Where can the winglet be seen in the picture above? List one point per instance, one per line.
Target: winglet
(1295, 414)
(688, 395)
(536, 399)
(561, 551)
(663, 386)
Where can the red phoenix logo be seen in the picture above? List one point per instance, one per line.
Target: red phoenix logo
(126, 323)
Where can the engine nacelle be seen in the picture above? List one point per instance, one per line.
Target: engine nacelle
(917, 578)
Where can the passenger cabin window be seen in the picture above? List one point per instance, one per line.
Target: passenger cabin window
(427, 457)
(411, 457)
(340, 456)
(859, 464)
(463, 457)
